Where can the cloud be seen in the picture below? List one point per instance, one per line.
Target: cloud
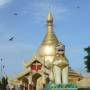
(4, 2)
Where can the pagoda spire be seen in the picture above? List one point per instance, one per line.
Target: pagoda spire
(50, 19)
(50, 22)
(50, 37)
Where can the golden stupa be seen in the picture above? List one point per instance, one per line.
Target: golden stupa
(38, 69)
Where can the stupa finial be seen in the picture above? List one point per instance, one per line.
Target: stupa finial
(50, 17)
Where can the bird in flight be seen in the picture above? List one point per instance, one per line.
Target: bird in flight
(15, 13)
(1, 59)
(78, 7)
(11, 39)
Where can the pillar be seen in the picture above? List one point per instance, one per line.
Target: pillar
(65, 75)
(29, 82)
(24, 87)
(57, 75)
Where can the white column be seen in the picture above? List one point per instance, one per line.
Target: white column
(51, 76)
(65, 75)
(24, 86)
(57, 75)
(29, 82)
(30, 79)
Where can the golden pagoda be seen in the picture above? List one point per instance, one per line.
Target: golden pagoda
(47, 64)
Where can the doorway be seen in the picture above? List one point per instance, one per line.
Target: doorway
(35, 77)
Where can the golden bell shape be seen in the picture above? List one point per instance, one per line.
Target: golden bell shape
(61, 61)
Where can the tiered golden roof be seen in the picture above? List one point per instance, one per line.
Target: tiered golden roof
(50, 37)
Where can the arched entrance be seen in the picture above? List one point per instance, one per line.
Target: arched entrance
(25, 84)
(35, 77)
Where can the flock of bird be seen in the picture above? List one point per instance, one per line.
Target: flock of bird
(16, 14)
(13, 37)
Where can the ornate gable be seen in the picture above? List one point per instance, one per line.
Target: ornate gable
(36, 66)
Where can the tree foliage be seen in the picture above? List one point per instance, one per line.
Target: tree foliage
(0, 85)
(87, 58)
(3, 83)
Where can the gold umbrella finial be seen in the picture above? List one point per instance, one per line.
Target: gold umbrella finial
(50, 17)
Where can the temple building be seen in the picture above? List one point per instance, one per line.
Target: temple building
(48, 64)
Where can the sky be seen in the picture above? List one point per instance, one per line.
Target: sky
(71, 25)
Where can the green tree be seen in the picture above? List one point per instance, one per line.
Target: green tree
(0, 85)
(87, 58)
(4, 82)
